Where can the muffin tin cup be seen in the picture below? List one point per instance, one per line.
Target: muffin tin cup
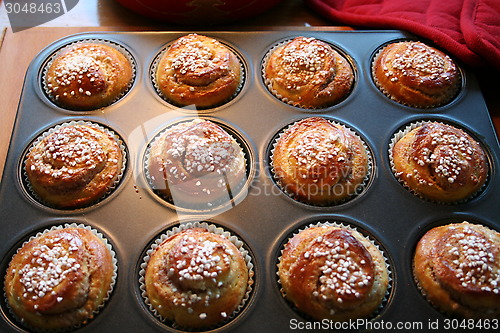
(278, 96)
(395, 99)
(115, 45)
(417, 284)
(399, 135)
(26, 183)
(213, 229)
(110, 291)
(236, 191)
(154, 69)
(343, 225)
(359, 188)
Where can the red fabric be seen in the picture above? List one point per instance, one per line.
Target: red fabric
(467, 29)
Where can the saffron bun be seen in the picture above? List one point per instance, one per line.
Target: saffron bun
(416, 74)
(330, 272)
(198, 70)
(440, 162)
(88, 76)
(59, 279)
(319, 162)
(457, 268)
(196, 164)
(196, 278)
(74, 166)
(308, 73)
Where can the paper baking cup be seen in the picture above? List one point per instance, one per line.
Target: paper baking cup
(117, 46)
(111, 286)
(342, 225)
(48, 132)
(268, 82)
(210, 205)
(213, 229)
(400, 134)
(380, 86)
(360, 188)
(154, 69)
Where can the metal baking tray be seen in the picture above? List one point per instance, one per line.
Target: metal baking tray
(262, 216)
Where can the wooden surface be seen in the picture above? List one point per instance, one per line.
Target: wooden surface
(18, 49)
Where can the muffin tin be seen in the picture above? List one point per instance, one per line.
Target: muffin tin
(264, 217)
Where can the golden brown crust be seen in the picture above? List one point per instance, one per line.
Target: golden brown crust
(196, 278)
(196, 163)
(457, 266)
(319, 162)
(309, 73)
(198, 70)
(440, 162)
(88, 76)
(416, 74)
(59, 279)
(333, 273)
(74, 166)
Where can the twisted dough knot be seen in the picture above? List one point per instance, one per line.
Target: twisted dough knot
(440, 162)
(458, 268)
(198, 70)
(320, 162)
(86, 76)
(333, 272)
(197, 162)
(199, 263)
(60, 278)
(308, 72)
(196, 278)
(416, 74)
(74, 165)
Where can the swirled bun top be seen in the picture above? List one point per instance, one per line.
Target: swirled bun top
(198, 70)
(88, 76)
(308, 73)
(416, 74)
(457, 266)
(319, 162)
(196, 163)
(330, 272)
(74, 165)
(196, 278)
(440, 162)
(59, 279)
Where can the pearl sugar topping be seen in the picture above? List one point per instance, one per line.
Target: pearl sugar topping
(345, 274)
(51, 264)
(474, 260)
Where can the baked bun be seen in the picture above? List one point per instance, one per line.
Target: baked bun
(196, 278)
(58, 280)
(88, 76)
(457, 267)
(308, 73)
(196, 164)
(440, 162)
(319, 162)
(334, 273)
(416, 74)
(74, 165)
(198, 70)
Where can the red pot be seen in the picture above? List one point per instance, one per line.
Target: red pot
(196, 12)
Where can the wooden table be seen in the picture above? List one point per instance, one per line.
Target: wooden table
(18, 49)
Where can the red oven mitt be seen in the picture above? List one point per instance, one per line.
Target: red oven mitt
(467, 29)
